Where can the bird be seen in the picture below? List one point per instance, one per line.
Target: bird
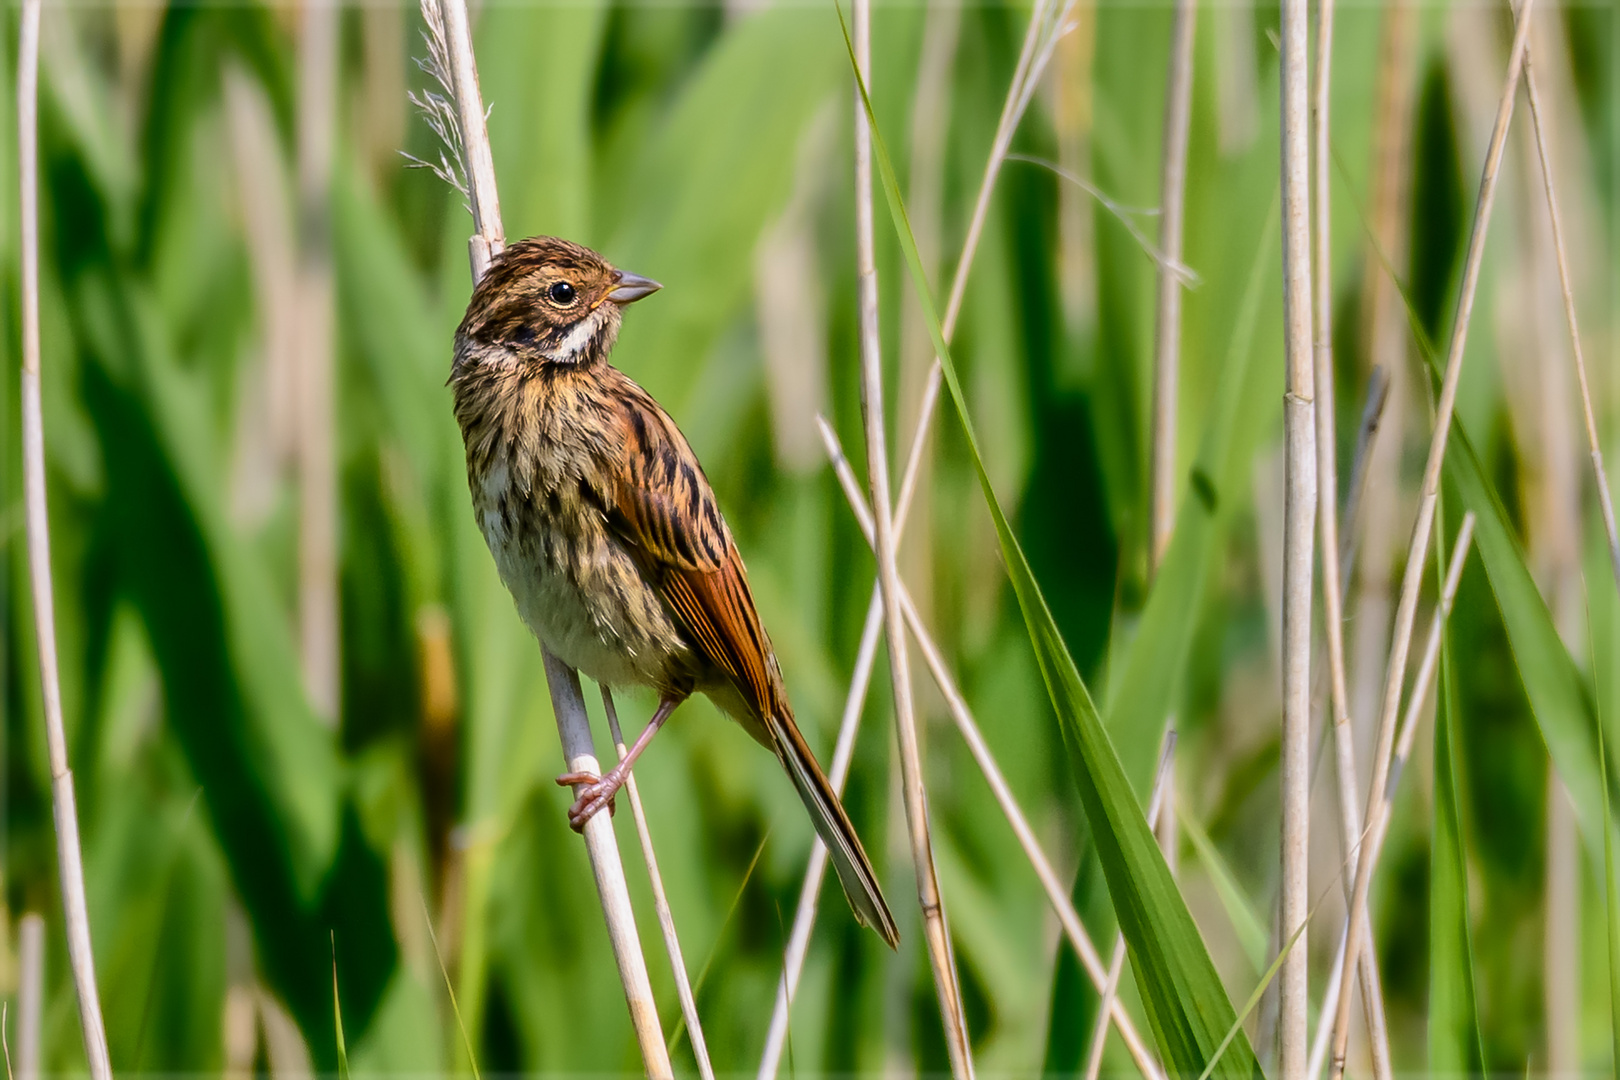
(606, 531)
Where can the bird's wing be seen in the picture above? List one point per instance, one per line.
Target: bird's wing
(666, 510)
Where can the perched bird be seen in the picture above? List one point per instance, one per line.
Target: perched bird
(606, 531)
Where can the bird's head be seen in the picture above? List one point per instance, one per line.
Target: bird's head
(549, 300)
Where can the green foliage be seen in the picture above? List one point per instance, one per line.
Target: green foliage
(237, 845)
(1184, 996)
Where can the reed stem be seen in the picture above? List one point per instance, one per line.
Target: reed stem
(1167, 336)
(69, 856)
(1423, 528)
(666, 917)
(1599, 476)
(935, 929)
(1327, 495)
(957, 706)
(1298, 537)
(447, 21)
(1373, 836)
(30, 994)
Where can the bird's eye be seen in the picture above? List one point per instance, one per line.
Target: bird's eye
(561, 293)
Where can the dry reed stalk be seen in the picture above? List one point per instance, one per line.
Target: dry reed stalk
(1157, 803)
(1555, 544)
(1299, 527)
(1384, 330)
(1422, 530)
(1600, 477)
(574, 727)
(925, 205)
(962, 715)
(1071, 117)
(1373, 837)
(319, 641)
(69, 857)
(1031, 62)
(804, 917)
(461, 123)
(1327, 494)
(936, 932)
(30, 994)
(1167, 334)
(666, 918)
(1167, 309)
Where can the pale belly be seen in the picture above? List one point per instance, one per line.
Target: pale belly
(596, 615)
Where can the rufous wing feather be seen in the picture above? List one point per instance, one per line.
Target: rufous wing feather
(665, 508)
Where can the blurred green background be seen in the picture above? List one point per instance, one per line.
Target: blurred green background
(239, 836)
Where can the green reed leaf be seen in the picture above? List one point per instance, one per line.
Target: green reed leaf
(1186, 1003)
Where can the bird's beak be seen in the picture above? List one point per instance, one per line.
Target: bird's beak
(632, 287)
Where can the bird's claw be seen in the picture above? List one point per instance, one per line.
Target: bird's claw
(595, 792)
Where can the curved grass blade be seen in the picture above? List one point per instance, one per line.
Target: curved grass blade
(1183, 995)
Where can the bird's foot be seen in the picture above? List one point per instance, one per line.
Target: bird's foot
(595, 792)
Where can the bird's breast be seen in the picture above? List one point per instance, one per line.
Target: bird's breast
(539, 496)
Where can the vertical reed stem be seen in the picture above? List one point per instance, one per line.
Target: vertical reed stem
(666, 918)
(319, 639)
(1056, 893)
(1167, 332)
(1167, 313)
(1423, 527)
(568, 704)
(30, 994)
(1600, 477)
(1379, 822)
(69, 858)
(935, 928)
(1298, 535)
(1327, 497)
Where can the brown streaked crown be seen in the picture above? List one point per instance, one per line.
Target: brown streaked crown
(537, 292)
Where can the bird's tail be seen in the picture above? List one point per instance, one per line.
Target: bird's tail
(832, 825)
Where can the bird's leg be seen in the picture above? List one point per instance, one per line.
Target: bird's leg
(594, 792)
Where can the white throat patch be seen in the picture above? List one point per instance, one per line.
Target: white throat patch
(572, 347)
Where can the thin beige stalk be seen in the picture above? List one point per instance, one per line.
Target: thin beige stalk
(666, 918)
(575, 729)
(957, 706)
(804, 917)
(1162, 785)
(1299, 527)
(319, 640)
(69, 858)
(1561, 963)
(1384, 332)
(1327, 497)
(1167, 310)
(1330, 1002)
(450, 43)
(936, 932)
(1412, 576)
(1032, 58)
(1605, 502)
(925, 205)
(1031, 62)
(30, 994)
(1167, 332)
(1374, 836)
